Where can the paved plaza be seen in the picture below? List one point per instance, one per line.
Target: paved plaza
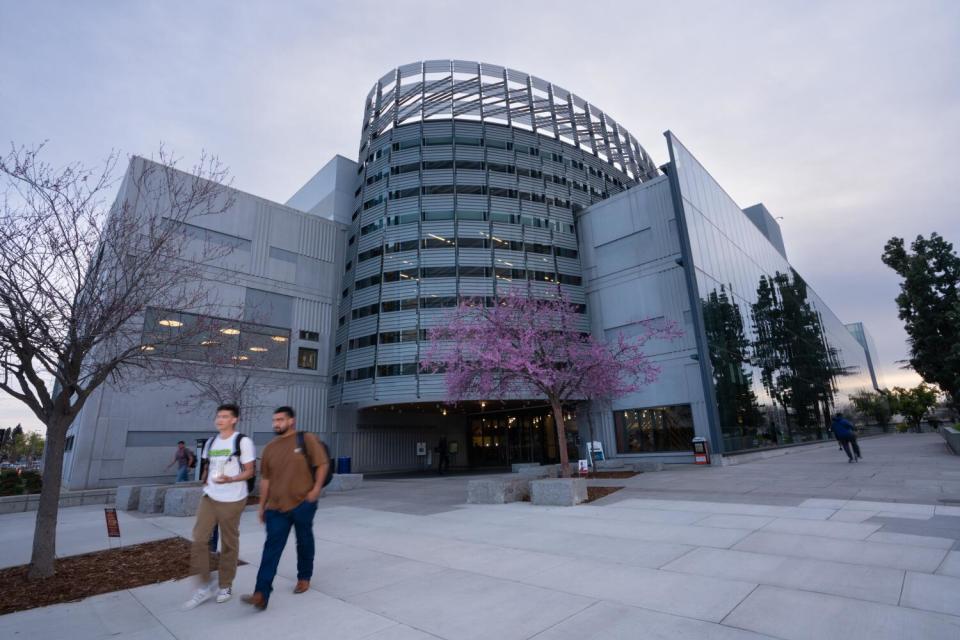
(798, 546)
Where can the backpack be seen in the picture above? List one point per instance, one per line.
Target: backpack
(191, 459)
(301, 442)
(252, 480)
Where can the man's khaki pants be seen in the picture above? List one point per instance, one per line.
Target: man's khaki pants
(226, 515)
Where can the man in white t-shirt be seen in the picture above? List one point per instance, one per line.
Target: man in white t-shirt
(224, 499)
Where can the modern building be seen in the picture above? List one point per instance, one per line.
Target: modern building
(475, 180)
(859, 331)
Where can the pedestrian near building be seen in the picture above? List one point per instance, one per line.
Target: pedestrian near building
(228, 464)
(292, 476)
(185, 460)
(443, 455)
(844, 431)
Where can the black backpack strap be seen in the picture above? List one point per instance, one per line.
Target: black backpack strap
(302, 443)
(236, 447)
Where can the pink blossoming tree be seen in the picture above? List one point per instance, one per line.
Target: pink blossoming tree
(525, 347)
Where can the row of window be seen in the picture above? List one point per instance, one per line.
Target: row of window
(388, 337)
(363, 373)
(471, 165)
(438, 242)
(468, 190)
(432, 302)
(526, 220)
(464, 271)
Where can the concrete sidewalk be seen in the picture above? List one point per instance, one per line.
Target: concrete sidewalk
(722, 553)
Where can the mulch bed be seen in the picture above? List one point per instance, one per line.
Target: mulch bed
(612, 475)
(595, 493)
(91, 574)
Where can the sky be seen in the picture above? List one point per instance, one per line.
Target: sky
(841, 117)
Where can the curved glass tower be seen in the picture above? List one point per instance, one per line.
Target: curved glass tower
(470, 176)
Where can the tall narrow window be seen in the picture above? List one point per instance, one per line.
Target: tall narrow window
(307, 358)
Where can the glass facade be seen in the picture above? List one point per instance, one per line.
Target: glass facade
(781, 361)
(188, 336)
(654, 429)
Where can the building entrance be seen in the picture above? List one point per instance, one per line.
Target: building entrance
(502, 438)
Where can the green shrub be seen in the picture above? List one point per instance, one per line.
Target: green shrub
(32, 482)
(10, 483)
(903, 427)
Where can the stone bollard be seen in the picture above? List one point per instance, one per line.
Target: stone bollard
(182, 501)
(497, 490)
(532, 473)
(345, 482)
(152, 497)
(558, 492)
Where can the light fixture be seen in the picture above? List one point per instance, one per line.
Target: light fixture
(168, 322)
(148, 347)
(208, 343)
(258, 349)
(279, 338)
(230, 331)
(241, 358)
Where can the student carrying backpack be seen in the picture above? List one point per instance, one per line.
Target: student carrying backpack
(294, 469)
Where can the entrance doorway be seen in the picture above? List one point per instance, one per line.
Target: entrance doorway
(502, 438)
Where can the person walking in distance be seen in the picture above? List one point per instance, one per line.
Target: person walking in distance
(292, 476)
(229, 464)
(184, 459)
(443, 455)
(846, 436)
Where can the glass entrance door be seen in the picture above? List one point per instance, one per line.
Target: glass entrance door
(504, 438)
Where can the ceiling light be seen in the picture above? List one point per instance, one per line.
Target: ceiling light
(230, 331)
(168, 322)
(148, 347)
(279, 338)
(258, 349)
(208, 343)
(241, 358)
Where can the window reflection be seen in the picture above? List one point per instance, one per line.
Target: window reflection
(654, 429)
(781, 361)
(188, 336)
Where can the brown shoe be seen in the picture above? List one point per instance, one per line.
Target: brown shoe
(256, 600)
(302, 586)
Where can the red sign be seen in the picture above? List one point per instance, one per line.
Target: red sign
(113, 525)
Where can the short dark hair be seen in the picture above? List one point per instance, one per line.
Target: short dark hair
(181, 442)
(232, 408)
(287, 410)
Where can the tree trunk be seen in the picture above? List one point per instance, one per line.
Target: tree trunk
(590, 435)
(561, 437)
(43, 559)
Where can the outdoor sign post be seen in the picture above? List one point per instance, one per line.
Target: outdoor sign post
(113, 524)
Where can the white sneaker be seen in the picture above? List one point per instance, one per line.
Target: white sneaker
(223, 595)
(200, 596)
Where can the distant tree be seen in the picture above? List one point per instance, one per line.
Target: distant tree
(913, 404)
(531, 347)
(929, 304)
(873, 405)
(76, 278)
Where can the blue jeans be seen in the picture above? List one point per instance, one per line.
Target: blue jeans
(183, 474)
(278, 525)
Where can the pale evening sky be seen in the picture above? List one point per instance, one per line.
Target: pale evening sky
(842, 117)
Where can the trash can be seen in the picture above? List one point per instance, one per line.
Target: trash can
(701, 451)
(343, 465)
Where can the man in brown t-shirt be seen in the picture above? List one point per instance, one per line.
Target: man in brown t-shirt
(291, 479)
